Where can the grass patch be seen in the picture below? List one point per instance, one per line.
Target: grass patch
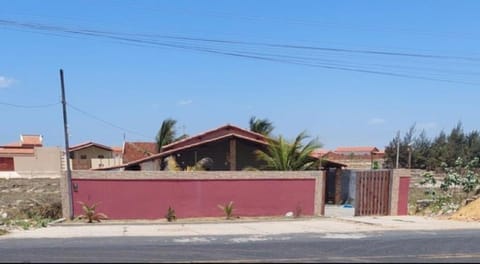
(33, 216)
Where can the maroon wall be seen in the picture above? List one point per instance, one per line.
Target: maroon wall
(150, 199)
(403, 196)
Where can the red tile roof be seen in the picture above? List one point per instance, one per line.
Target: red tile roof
(12, 151)
(320, 152)
(25, 146)
(133, 151)
(220, 133)
(26, 141)
(33, 140)
(356, 149)
(117, 149)
(87, 145)
(216, 133)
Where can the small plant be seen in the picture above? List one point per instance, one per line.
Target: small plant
(90, 213)
(227, 209)
(171, 216)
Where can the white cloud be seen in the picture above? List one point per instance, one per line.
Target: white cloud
(376, 121)
(185, 102)
(5, 82)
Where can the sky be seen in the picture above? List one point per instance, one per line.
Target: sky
(350, 73)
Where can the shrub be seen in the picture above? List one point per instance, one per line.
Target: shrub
(51, 210)
(227, 209)
(90, 213)
(459, 183)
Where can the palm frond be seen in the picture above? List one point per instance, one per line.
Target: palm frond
(281, 154)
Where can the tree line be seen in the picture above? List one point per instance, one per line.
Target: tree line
(421, 152)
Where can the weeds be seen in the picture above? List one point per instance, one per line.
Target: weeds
(171, 216)
(36, 215)
(228, 210)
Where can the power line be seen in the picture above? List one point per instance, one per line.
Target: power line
(128, 39)
(104, 121)
(276, 45)
(29, 106)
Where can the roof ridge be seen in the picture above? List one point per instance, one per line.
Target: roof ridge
(210, 131)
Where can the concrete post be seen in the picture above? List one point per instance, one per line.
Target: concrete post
(66, 205)
(395, 189)
(319, 204)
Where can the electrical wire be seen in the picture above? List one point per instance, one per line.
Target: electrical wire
(104, 121)
(297, 60)
(29, 106)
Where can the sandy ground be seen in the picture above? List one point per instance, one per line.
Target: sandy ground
(470, 212)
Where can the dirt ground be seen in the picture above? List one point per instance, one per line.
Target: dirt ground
(470, 212)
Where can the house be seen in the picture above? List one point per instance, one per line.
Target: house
(93, 155)
(227, 147)
(133, 151)
(29, 156)
(357, 157)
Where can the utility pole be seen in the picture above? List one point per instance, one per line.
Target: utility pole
(410, 148)
(67, 152)
(398, 148)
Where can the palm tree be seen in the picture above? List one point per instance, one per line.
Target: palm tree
(287, 156)
(261, 126)
(166, 134)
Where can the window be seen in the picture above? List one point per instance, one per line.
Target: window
(101, 156)
(83, 156)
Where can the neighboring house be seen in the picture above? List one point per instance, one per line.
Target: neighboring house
(133, 151)
(29, 157)
(357, 157)
(228, 147)
(91, 155)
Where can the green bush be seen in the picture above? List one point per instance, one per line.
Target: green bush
(90, 213)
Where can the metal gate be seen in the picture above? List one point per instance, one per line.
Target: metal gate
(372, 194)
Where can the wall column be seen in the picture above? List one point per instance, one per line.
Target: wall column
(395, 189)
(319, 204)
(233, 154)
(338, 186)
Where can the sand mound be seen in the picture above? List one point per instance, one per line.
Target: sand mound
(469, 212)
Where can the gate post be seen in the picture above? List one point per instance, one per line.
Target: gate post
(319, 203)
(395, 190)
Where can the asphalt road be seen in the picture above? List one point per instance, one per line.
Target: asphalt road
(394, 246)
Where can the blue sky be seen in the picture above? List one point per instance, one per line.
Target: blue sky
(351, 73)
